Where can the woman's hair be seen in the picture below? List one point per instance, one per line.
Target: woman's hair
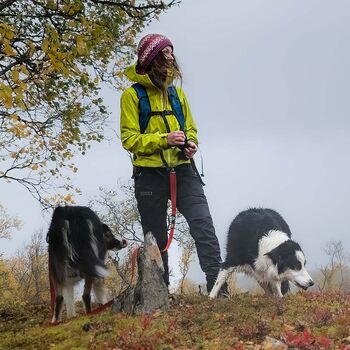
(163, 73)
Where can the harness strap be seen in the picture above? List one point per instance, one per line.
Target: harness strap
(144, 106)
(172, 178)
(161, 113)
(145, 110)
(176, 106)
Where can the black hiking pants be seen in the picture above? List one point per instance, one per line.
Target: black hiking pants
(152, 191)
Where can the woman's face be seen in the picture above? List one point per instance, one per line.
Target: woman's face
(168, 54)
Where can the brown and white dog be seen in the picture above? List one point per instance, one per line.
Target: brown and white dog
(78, 243)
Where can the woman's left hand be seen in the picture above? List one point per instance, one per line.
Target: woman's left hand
(190, 150)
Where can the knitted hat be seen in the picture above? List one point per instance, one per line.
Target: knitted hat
(148, 48)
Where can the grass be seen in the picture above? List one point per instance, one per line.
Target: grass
(304, 321)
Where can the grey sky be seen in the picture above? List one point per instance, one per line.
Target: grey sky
(268, 85)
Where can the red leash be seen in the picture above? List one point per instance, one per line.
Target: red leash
(172, 177)
(101, 308)
(134, 252)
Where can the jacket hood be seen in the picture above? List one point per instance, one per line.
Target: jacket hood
(143, 79)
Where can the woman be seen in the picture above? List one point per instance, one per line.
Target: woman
(163, 145)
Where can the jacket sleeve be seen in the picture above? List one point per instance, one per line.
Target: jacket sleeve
(131, 137)
(190, 125)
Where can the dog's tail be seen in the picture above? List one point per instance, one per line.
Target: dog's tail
(59, 247)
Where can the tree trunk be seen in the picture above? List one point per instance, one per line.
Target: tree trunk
(150, 292)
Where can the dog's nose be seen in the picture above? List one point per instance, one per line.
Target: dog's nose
(124, 243)
(311, 283)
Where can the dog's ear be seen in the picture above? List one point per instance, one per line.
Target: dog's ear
(106, 228)
(274, 255)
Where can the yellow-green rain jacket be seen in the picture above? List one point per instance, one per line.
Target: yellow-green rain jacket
(147, 147)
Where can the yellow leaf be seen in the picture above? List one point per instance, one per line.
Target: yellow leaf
(51, 4)
(72, 23)
(57, 65)
(6, 95)
(81, 45)
(45, 45)
(68, 198)
(288, 328)
(32, 48)
(6, 31)
(24, 69)
(15, 76)
(35, 167)
(23, 86)
(8, 50)
(18, 95)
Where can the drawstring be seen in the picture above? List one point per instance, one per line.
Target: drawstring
(193, 164)
(202, 167)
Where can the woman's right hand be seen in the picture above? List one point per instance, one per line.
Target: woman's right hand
(176, 138)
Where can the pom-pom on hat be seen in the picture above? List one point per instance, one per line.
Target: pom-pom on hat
(148, 48)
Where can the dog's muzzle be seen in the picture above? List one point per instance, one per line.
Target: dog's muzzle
(310, 283)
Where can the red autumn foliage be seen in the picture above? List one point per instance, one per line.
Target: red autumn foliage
(305, 340)
(146, 321)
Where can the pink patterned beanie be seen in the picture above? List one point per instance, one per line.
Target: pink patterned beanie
(148, 48)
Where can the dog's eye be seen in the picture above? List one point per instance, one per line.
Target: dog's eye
(297, 265)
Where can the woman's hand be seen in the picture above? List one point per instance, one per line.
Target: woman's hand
(190, 150)
(176, 138)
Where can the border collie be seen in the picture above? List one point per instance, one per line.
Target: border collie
(78, 243)
(259, 244)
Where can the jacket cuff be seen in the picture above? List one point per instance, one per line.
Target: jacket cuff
(164, 141)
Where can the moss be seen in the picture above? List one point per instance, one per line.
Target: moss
(194, 323)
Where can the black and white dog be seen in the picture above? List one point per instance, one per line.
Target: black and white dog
(78, 243)
(259, 244)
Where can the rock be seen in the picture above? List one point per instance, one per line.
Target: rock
(89, 326)
(150, 292)
(273, 344)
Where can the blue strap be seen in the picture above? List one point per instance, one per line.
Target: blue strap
(176, 106)
(144, 106)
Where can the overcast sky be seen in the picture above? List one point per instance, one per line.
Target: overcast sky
(268, 85)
